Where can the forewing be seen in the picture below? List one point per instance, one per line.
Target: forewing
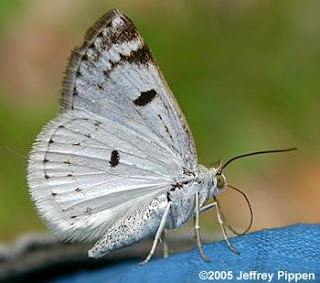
(114, 70)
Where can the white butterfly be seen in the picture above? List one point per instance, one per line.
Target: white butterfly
(119, 162)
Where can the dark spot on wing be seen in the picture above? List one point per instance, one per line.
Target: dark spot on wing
(140, 56)
(67, 162)
(168, 132)
(123, 33)
(168, 197)
(85, 57)
(73, 216)
(76, 144)
(69, 175)
(45, 160)
(78, 190)
(46, 176)
(178, 185)
(106, 73)
(51, 141)
(145, 97)
(114, 160)
(100, 86)
(61, 126)
(109, 24)
(53, 194)
(100, 35)
(79, 73)
(175, 186)
(88, 136)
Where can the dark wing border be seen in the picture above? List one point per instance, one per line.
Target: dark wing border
(77, 54)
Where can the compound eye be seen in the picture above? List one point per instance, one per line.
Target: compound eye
(220, 181)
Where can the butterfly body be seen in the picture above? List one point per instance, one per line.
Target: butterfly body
(183, 196)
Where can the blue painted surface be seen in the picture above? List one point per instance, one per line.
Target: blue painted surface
(295, 249)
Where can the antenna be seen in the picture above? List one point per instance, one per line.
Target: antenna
(257, 153)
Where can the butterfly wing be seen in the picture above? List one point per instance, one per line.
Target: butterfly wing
(115, 71)
(119, 141)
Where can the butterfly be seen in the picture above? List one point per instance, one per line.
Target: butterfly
(119, 162)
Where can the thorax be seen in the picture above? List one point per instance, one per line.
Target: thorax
(183, 197)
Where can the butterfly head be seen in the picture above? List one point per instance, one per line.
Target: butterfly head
(219, 181)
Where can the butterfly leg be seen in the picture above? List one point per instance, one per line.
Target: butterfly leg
(204, 209)
(197, 229)
(223, 229)
(165, 245)
(158, 234)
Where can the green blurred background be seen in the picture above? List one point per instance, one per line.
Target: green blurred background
(246, 74)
